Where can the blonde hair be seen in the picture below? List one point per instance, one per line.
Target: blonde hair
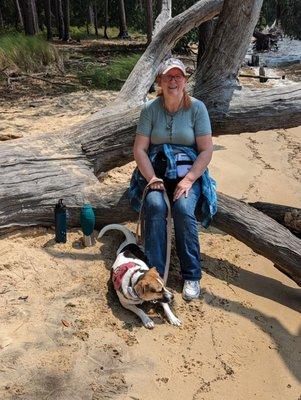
(186, 98)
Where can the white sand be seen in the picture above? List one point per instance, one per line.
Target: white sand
(63, 334)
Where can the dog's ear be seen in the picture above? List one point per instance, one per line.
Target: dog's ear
(153, 271)
(141, 288)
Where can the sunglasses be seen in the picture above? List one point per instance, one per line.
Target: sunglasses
(169, 78)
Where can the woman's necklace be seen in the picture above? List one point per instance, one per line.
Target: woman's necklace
(169, 118)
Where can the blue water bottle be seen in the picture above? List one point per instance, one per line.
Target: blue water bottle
(60, 216)
(87, 222)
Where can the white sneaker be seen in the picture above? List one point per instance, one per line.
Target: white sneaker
(191, 290)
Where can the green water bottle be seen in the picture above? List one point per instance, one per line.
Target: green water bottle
(87, 222)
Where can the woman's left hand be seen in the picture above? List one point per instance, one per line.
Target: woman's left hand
(182, 188)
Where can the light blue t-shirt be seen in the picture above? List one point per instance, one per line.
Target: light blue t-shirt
(179, 128)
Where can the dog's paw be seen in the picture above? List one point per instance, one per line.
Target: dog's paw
(174, 320)
(148, 323)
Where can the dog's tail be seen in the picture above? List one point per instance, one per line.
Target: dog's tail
(129, 236)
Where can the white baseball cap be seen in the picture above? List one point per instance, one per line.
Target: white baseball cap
(170, 63)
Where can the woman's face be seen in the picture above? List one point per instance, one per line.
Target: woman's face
(172, 83)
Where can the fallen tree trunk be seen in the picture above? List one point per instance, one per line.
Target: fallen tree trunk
(276, 108)
(290, 217)
(261, 233)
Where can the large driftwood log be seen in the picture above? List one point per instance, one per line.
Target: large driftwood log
(290, 217)
(261, 233)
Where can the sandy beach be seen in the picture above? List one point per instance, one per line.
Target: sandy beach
(64, 335)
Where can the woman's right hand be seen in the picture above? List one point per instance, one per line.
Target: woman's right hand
(156, 183)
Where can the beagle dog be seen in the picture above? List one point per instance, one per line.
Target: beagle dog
(135, 282)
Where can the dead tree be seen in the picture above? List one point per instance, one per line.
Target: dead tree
(34, 174)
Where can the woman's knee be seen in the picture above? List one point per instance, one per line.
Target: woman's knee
(155, 204)
(183, 208)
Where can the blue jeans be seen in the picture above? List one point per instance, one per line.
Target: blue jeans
(186, 232)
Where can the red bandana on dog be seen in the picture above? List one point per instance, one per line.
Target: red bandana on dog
(119, 273)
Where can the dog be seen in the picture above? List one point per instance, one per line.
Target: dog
(135, 282)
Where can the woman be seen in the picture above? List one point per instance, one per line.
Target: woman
(172, 128)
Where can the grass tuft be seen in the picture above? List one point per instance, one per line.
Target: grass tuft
(27, 53)
(111, 77)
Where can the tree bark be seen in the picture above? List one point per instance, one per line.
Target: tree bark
(164, 16)
(48, 18)
(35, 15)
(19, 13)
(123, 30)
(29, 14)
(205, 34)
(59, 18)
(290, 217)
(95, 19)
(89, 19)
(106, 22)
(216, 77)
(149, 20)
(66, 17)
(261, 233)
(1, 18)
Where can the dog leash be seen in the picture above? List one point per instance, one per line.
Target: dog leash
(168, 225)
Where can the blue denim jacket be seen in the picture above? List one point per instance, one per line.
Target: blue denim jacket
(208, 199)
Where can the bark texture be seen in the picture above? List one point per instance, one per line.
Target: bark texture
(20, 17)
(262, 234)
(164, 8)
(1, 18)
(59, 17)
(123, 30)
(66, 18)
(29, 13)
(47, 6)
(216, 77)
(149, 20)
(106, 22)
(205, 34)
(290, 217)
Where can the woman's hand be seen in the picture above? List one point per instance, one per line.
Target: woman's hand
(156, 183)
(182, 188)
